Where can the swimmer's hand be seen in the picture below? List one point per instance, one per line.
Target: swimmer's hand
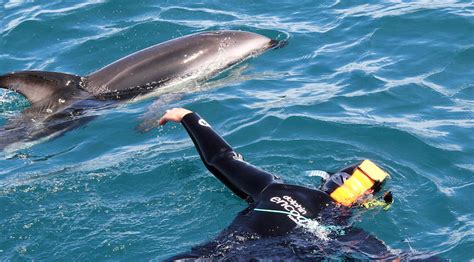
(174, 115)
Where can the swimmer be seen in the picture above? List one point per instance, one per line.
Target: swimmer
(284, 221)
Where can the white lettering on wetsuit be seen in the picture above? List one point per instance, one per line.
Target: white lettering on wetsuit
(237, 156)
(295, 210)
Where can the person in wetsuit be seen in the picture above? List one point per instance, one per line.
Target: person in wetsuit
(282, 221)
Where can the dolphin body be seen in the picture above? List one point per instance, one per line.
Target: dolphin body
(59, 102)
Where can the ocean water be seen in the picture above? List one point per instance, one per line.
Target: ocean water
(387, 80)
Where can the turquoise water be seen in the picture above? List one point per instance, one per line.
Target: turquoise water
(388, 80)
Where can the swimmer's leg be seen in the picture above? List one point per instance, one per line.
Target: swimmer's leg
(184, 257)
(359, 241)
(200, 252)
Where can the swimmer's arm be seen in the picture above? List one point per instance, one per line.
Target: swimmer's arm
(218, 156)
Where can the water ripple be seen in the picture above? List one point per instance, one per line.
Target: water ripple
(398, 8)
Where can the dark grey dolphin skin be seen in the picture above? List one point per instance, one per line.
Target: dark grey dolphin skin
(60, 102)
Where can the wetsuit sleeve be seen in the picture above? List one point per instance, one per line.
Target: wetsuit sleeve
(220, 159)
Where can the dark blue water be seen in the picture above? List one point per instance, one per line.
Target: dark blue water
(388, 80)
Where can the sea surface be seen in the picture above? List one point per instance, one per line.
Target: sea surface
(392, 81)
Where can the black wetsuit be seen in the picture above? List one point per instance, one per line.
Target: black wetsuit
(277, 223)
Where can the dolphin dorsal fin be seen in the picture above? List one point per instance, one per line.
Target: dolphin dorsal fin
(38, 85)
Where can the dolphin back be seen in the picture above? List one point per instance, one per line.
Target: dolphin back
(198, 56)
(60, 101)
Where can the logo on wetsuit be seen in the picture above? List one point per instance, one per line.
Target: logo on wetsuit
(296, 213)
(203, 122)
(295, 210)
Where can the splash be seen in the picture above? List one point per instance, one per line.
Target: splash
(322, 232)
(11, 103)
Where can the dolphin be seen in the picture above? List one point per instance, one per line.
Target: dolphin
(60, 102)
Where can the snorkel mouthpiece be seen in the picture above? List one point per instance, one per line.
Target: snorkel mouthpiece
(385, 202)
(365, 176)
